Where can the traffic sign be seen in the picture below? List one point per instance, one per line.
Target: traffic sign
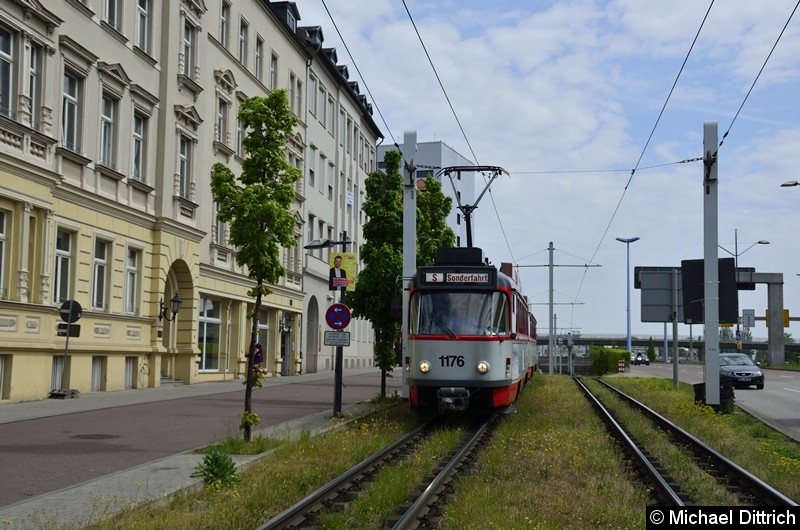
(70, 311)
(338, 316)
(74, 330)
(337, 338)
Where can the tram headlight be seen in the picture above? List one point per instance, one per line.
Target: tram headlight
(424, 367)
(483, 367)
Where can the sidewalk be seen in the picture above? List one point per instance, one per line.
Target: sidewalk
(80, 505)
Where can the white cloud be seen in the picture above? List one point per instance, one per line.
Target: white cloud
(575, 88)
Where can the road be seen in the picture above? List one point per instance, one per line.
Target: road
(777, 404)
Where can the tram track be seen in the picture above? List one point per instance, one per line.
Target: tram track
(421, 509)
(746, 487)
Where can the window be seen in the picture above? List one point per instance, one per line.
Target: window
(219, 227)
(139, 151)
(331, 171)
(312, 89)
(184, 161)
(111, 13)
(6, 71)
(311, 218)
(243, 42)
(222, 121)
(208, 337)
(323, 98)
(224, 20)
(330, 112)
(108, 111)
(2, 252)
(312, 166)
(70, 112)
(34, 85)
(132, 281)
(239, 138)
(259, 66)
(143, 25)
(63, 261)
(99, 273)
(273, 72)
(189, 39)
(298, 98)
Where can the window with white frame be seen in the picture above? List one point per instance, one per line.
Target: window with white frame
(6, 71)
(143, 25)
(330, 111)
(239, 138)
(3, 229)
(71, 112)
(311, 221)
(323, 99)
(259, 59)
(139, 150)
(312, 90)
(224, 21)
(111, 12)
(35, 85)
(108, 112)
(184, 166)
(132, 281)
(243, 29)
(273, 72)
(63, 265)
(341, 127)
(331, 172)
(298, 97)
(189, 44)
(99, 274)
(208, 336)
(220, 237)
(222, 120)
(292, 89)
(312, 166)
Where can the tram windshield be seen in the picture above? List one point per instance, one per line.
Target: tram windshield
(459, 313)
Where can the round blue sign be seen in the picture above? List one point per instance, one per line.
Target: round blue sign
(338, 316)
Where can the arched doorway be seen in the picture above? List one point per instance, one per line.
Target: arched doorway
(312, 336)
(176, 335)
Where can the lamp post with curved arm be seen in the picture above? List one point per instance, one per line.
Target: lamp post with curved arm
(736, 255)
(628, 241)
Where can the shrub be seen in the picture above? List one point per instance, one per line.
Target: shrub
(218, 470)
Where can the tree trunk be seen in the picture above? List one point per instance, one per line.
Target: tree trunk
(248, 388)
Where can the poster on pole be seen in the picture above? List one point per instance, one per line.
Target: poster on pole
(342, 275)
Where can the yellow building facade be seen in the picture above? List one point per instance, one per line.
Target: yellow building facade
(111, 116)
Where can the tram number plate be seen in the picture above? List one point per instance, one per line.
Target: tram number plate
(449, 361)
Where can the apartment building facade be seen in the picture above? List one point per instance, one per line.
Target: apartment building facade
(112, 113)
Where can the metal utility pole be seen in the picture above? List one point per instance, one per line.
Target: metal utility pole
(409, 239)
(711, 261)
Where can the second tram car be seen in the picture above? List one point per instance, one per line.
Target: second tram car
(471, 335)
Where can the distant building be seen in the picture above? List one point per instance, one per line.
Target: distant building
(429, 159)
(111, 117)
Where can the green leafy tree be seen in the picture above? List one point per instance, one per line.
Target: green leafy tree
(382, 256)
(651, 349)
(433, 207)
(256, 206)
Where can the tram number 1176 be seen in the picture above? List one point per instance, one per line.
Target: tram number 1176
(448, 361)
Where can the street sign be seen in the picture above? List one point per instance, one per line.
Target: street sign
(338, 316)
(337, 338)
(74, 329)
(70, 311)
(749, 318)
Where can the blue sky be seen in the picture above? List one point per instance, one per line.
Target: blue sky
(566, 96)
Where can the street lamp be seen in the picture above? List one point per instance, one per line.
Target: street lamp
(337, 379)
(736, 255)
(175, 304)
(628, 241)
